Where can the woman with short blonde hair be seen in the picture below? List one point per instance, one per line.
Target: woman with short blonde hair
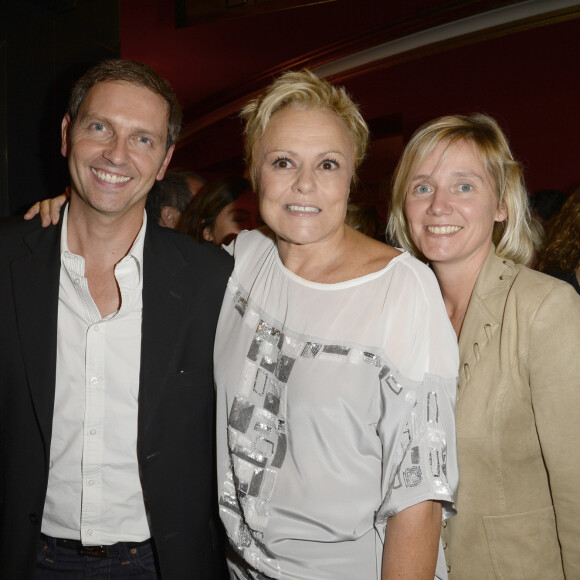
(512, 237)
(335, 367)
(460, 204)
(302, 89)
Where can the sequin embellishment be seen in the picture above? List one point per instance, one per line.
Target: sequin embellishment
(258, 437)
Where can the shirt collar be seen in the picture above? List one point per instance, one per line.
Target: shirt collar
(135, 252)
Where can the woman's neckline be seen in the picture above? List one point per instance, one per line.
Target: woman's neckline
(337, 285)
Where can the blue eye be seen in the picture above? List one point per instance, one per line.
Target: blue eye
(145, 140)
(98, 127)
(422, 188)
(465, 188)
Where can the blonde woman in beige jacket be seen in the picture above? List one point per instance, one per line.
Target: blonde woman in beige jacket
(459, 203)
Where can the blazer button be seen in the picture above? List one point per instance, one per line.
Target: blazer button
(33, 519)
(444, 523)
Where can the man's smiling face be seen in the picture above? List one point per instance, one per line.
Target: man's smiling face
(116, 147)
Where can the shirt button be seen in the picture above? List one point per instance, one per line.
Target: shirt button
(90, 532)
(94, 380)
(90, 482)
(96, 328)
(93, 431)
(76, 281)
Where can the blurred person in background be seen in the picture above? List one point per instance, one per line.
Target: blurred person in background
(365, 219)
(168, 199)
(194, 181)
(546, 203)
(220, 211)
(561, 254)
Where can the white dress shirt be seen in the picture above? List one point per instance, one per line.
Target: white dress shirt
(94, 490)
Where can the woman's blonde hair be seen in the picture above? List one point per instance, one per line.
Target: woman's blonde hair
(512, 237)
(301, 89)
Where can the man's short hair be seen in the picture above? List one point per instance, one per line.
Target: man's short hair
(173, 190)
(188, 174)
(134, 73)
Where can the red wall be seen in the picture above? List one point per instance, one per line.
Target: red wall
(529, 81)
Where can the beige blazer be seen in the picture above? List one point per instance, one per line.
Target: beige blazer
(518, 430)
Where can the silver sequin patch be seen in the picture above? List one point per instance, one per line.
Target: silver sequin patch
(412, 476)
(240, 304)
(258, 440)
(310, 350)
(387, 378)
(373, 359)
(336, 349)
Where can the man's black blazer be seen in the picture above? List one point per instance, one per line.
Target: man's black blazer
(183, 287)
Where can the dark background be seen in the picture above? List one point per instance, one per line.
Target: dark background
(521, 66)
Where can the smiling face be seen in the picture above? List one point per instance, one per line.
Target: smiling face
(116, 148)
(305, 166)
(452, 205)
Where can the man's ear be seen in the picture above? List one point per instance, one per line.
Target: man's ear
(169, 217)
(207, 235)
(64, 135)
(166, 161)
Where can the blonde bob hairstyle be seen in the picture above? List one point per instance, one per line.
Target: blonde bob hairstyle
(302, 89)
(512, 237)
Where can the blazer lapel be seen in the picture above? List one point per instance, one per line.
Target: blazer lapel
(35, 279)
(165, 299)
(483, 318)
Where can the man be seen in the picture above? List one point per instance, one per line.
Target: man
(169, 197)
(108, 321)
(194, 181)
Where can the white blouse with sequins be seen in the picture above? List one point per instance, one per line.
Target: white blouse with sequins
(334, 411)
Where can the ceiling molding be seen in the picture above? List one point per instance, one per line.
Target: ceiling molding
(498, 22)
(332, 63)
(195, 12)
